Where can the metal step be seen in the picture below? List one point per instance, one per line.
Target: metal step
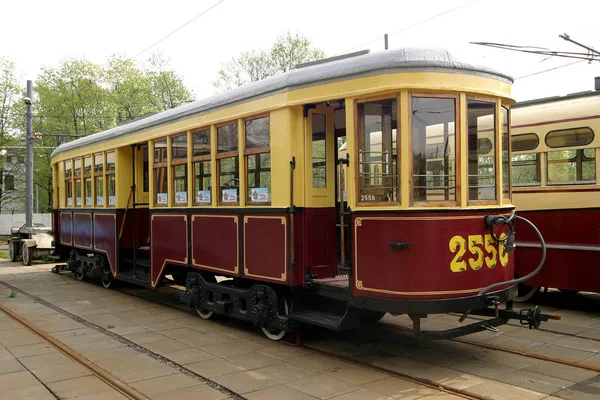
(142, 262)
(318, 318)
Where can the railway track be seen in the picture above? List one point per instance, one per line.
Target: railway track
(170, 293)
(502, 349)
(410, 378)
(103, 375)
(539, 329)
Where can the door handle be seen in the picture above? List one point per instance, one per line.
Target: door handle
(399, 245)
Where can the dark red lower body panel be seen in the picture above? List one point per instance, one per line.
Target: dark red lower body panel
(573, 249)
(169, 232)
(426, 256)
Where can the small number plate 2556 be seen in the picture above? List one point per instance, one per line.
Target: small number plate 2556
(483, 249)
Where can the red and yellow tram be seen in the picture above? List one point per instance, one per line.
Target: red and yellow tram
(555, 185)
(238, 197)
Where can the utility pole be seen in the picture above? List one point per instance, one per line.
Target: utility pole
(29, 160)
(385, 40)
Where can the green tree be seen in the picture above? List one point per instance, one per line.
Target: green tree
(81, 98)
(251, 66)
(12, 123)
(167, 88)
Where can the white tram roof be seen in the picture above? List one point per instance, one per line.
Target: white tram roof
(311, 74)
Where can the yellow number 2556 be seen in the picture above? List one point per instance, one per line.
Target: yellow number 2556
(483, 249)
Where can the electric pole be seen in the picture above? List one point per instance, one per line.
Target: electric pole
(29, 160)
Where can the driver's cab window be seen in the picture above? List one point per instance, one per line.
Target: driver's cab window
(228, 164)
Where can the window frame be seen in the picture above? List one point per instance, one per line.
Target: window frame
(496, 151)
(224, 155)
(157, 165)
(506, 200)
(97, 175)
(201, 159)
(579, 155)
(527, 150)
(68, 182)
(457, 146)
(580, 145)
(108, 173)
(176, 162)
(357, 132)
(88, 177)
(256, 151)
(538, 166)
(80, 179)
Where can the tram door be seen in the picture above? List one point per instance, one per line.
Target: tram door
(142, 188)
(320, 192)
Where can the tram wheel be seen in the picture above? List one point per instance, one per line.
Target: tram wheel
(203, 313)
(26, 254)
(13, 251)
(274, 333)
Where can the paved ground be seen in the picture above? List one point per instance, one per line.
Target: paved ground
(239, 358)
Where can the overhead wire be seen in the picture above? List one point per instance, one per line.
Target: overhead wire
(413, 25)
(178, 29)
(550, 69)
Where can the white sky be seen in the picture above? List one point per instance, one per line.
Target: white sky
(97, 29)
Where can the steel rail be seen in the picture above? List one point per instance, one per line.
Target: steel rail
(505, 350)
(103, 375)
(138, 347)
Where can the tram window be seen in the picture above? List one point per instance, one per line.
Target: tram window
(201, 140)
(160, 172)
(227, 138)
(377, 151)
(433, 125)
(258, 159)
(99, 191)
(572, 166)
(202, 168)
(98, 178)
(179, 147)
(179, 165)
(505, 154)
(78, 192)
(229, 170)
(481, 123)
(526, 169)
(525, 142)
(87, 181)
(228, 163)
(68, 181)
(110, 178)
(569, 137)
(180, 184)
(202, 182)
(259, 178)
(112, 190)
(319, 151)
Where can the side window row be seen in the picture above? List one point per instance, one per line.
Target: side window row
(78, 181)
(563, 166)
(256, 164)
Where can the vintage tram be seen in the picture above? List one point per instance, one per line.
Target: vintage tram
(238, 197)
(555, 186)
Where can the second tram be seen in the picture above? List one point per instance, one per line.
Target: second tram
(555, 185)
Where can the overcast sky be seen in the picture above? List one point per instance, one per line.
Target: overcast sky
(39, 33)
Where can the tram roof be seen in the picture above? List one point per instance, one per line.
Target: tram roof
(311, 74)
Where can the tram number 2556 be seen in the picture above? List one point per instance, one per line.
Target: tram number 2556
(483, 248)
